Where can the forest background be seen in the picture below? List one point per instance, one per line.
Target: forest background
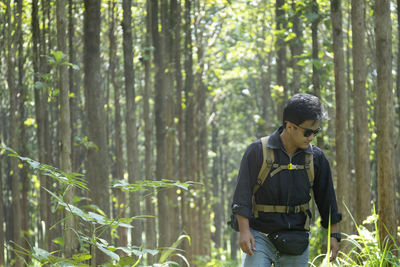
(127, 113)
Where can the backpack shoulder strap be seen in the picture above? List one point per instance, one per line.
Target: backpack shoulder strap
(268, 160)
(310, 166)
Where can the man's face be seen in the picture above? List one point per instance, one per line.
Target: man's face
(304, 133)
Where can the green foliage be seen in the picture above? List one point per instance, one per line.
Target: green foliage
(95, 222)
(366, 248)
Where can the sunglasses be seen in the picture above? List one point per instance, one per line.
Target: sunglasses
(308, 132)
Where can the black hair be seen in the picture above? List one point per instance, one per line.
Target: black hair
(303, 107)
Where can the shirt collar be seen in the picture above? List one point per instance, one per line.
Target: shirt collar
(275, 142)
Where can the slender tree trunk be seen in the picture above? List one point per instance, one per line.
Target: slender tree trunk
(151, 234)
(14, 119)
(280, 45)
(74, 89)
(386, 185)
(39, 113)
(398, 111)
(2, 219)
(171, 198)
(22, 91)
(132, 143)
(341, 126)
(119, 159)
(190, 148)
(160, 119)
(97, 163)
(361, 136)
(216, 189)
(71, 243)
(296, 46)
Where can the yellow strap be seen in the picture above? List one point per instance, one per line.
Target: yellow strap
(290, 166)
(281, 209)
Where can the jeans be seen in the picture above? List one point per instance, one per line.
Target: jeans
(266, 254)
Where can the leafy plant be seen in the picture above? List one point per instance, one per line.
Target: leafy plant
(366, 248)
(96, 222)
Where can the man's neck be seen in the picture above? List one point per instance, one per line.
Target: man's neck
(287, 144)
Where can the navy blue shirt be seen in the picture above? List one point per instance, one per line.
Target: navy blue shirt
(286, 188)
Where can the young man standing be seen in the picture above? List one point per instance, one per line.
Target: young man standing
(274, 222)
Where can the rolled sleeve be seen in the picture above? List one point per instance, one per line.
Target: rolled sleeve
(324, 191)
(249, 168)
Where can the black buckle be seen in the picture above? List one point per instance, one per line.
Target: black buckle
(291, 209)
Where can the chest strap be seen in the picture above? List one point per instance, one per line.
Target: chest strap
(282, 209)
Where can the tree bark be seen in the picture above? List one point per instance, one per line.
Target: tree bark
(97, 160)
(71, 243)
(190, 145)
(386, 186)
(296, 46)
(151, 234)
(14, 119)
(341, 125)
(361, 136)
(132, 143)
(281, 61)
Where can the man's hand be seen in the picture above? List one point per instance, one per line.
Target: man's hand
(247, 242)
(334, 248)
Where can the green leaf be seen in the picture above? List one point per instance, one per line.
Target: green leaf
(41, 254)
(109, 253)
(82, 257)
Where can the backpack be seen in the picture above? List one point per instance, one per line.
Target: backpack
(267, 165)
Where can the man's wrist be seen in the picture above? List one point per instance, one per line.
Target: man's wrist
(338, 236)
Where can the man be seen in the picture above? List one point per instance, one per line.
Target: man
(261, 228)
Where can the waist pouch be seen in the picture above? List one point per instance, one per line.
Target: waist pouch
(290, 242)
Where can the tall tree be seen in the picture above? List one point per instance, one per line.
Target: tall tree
(151, 235)
(131, 132)
(169, 21)
(22, 92)
(296, 45)
(361, 136)
(159, 112)
(280, 46)
(14, 119)
(71, 243)
(190, 145)
(118, 159)
(37, 50)
(97, 165)
(386, 186)
(341, 126)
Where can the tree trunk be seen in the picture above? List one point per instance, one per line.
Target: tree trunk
(341, 126)
(171, 198)
(280, 45)
(150, 226)
(190, 146)
(160, 119)
(14, 119)
(2, 219)
(39, 114)
(74, 89)
(296, 47)
(386, 186)
(398, 111)
(361, 136)
(216, 189)
(22, 91)
(97, 165)
(119, 159)
(71, 243)
(131, 132)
